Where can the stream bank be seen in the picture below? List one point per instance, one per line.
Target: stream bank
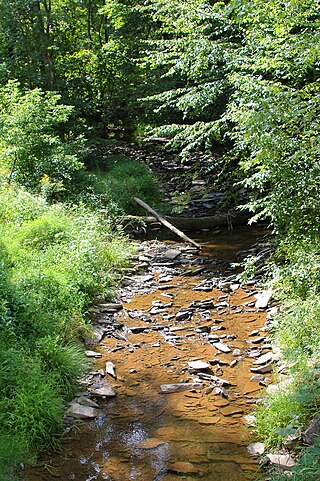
(181, 360)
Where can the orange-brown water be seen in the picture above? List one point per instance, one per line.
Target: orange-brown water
(144, 434)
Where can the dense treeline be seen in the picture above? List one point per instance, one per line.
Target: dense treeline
(242, 74)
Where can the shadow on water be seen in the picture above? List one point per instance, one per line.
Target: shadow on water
(143, 434)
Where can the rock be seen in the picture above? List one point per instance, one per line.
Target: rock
(144, 259)
(77, 410)
(198, 365)
(213, 338)
(256, 449)
(104, 391)
(257, 340)
(216, 361)
(222, 304)
(257, 377)
(110, 306)
(166, 287)
(93, 354)
(221, 347)
(167, 278)
(182, 467)
(221, 392)
(111, 369)
(254, 333)
(203, 288)
(262, 299)
(160, 304)
(172, 254)
(224, 286)
(219, 380)
(138, 329)
(250, 419)
(85, 401)
(284, 461)
(151, 443)
(265, 358)
(312, 431)
(204, 328)
(236, 352)
(172, 388)
(231, 411)
(182, 315)
(98, 334)
(262, 369)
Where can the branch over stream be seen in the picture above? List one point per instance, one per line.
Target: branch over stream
(166, 223)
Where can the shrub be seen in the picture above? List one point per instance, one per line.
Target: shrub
(31, 149)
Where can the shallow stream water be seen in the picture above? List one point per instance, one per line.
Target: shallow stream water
(145, 434)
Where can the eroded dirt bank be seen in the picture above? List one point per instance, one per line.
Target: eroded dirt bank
(181, 362)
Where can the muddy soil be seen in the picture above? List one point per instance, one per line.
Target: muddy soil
(183, 359)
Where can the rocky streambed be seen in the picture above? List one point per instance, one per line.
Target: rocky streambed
(180, 361)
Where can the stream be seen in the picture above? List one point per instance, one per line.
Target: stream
(182, 361)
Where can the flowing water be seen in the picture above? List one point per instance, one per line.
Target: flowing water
(201, 433)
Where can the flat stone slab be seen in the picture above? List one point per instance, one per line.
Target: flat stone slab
(172, 254)
(221, 347)
(256, 449)
(110, 306)
(262, 369)
(171, 388)
(262, 299)
(264, 359)
(183, 467)
(167, 278)
(104, 391)
(231, 410)
(79, 411)
(151, 443)
(198, 365)
(93, 354)
(284, 461)
(85, 401)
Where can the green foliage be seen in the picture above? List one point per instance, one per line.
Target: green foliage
(53, 259)
(30, 147)
(299, 275)
(116, 181)
(64, 360)
(298, 330)
(288, 409)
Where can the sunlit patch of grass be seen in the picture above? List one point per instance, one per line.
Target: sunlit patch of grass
(114, 183)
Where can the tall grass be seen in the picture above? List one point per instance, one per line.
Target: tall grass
(115, 181)
(53, 259)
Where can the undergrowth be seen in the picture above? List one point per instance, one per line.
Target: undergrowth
(53, 260)
(288, 409)
(115, 181)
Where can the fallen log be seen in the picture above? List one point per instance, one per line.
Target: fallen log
(194, 223)
(166, 223)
